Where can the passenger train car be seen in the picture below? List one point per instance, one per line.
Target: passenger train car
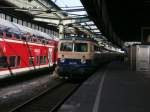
(79, 57)
(24, 50)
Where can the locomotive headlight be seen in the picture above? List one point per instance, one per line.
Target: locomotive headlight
(83, 60)
(62, 59)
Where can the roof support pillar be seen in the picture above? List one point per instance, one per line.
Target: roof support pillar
(61, 31)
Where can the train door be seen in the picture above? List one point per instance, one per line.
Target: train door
(50, 56)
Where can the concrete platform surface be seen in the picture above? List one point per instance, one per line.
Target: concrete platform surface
(113, 89)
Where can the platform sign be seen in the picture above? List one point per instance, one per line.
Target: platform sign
(142, 58)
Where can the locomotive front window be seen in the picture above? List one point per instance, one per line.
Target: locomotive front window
(66, 47)
(80, 47)
(3, 61)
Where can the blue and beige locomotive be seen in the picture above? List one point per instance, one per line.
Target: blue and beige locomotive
(78, 57)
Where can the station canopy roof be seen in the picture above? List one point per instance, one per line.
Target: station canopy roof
(75, 9)
(55, 12)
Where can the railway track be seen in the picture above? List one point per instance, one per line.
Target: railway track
(49, 100)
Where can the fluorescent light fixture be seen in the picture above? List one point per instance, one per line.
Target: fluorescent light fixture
(96, 30)
(90, 22)
(93, 27)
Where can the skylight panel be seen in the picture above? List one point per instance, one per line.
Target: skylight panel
(71, 5)
(68, 3)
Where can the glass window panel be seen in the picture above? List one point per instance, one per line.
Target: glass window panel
(33, 26)
(2, 15)
(3, 61)
(41, 59)
(1, 34)
(37, 59)
(20, 22)
(15, 20)
(12, 60)
(8, 18)
(66, 46)
(18, 61)
(80, 47)
(29, 25)
(8, 35)
(24, 23)
(31, 60)
(45, 58)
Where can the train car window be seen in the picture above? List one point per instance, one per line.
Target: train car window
(17, 36)
(24, 38)
(8, 35)
(3, 61)
(41, 59)
(39, 41)
(66, 47)
(29, 39)
(18, 61)
(34, 39)
(80, 47)
(45, 58)
(43, 41)
(12, 60)
(31, 60)
(37, 60)
(1, 34)
(47, 42)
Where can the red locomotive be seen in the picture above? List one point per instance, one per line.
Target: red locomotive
(23, 50)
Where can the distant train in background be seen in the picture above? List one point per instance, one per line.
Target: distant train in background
(24, 50)
(79, 57)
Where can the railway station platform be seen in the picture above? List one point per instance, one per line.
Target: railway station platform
(115, 88)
